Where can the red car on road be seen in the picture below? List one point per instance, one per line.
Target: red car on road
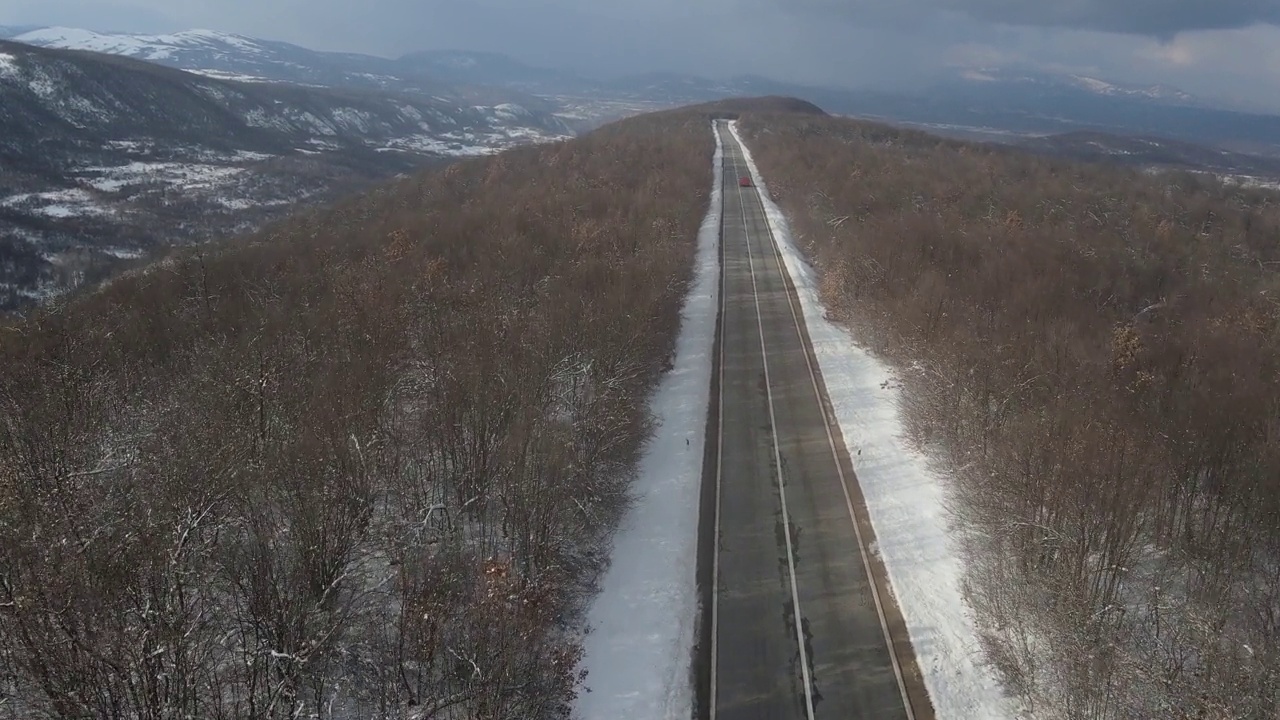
(744, 181)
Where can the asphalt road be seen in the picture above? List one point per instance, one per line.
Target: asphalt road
(787, 535)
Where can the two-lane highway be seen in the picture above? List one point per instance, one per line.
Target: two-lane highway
(798, 623)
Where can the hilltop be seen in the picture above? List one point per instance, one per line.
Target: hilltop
(342, 461)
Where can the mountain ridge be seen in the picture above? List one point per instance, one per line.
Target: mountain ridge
(1017, 100)
(104, 157)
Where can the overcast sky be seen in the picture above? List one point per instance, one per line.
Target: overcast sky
(1225, 49)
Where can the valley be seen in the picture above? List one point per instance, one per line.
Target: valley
(110, 159)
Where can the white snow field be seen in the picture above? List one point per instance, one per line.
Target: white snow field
(906, 500)
(639, 649)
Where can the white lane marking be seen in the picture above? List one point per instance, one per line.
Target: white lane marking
(777, 459)
(835, 455)
(715, 554)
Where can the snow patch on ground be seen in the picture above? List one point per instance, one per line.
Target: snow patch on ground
(436, 144)
(466, 144)
(642, 624)
(1253, 181)
(509, 112)
(63, 210)
(351, 118)
(8, 66)
(43, 85)
(74, 202)
(130, 145)
(906, 500)
(231, 76)
(124, 253)
(184, 175)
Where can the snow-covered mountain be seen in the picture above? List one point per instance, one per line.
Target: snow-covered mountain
(1005, 99)
(1152, 92)
(1047, 83)
(236, 57)
(483, 78)
(209, 44)
(77, 94)
(102, 154)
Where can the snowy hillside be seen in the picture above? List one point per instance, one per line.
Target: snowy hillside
(230, 56)
(70, 101)
(143, 47)
(236, 57)
(1153, 92)
(112, 156)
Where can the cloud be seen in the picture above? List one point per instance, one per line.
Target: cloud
(1177, 53)
(1207, 47)
(101, 15)
(1153, 18)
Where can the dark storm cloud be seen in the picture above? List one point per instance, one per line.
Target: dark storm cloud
(1229, 48)
(99, 14)
(1154, 18)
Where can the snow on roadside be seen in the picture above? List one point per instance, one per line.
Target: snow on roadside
(642, 624)
(906, 500)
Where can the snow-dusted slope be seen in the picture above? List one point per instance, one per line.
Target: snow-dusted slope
(1153, 92)
(237, 57)
(144, 47)
(1018, 83)
(57, 96)
(104, 153)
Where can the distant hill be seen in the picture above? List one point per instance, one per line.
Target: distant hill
(1018, 102)
(760, 105)
(1153, 152)
(236, 57)
(1049, 104)
(95, 93)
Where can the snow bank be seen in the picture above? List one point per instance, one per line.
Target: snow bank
(643, 623)
(905, 499)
